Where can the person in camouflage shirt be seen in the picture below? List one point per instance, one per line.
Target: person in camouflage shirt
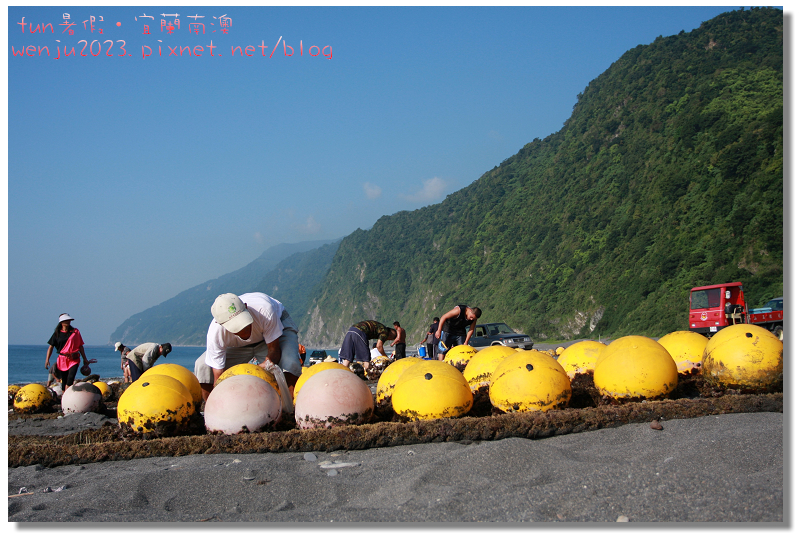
(355, 346)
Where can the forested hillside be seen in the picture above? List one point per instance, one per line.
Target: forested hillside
(288, 272)
(667, 175)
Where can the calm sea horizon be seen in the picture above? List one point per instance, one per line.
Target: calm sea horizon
(26, 362)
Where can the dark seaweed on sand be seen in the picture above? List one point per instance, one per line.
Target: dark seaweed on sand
(587, 411)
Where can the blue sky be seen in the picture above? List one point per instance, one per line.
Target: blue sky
(131, 179)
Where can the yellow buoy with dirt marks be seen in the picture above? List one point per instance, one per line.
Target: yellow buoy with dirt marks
(686, 349)
(189, 380)
(12, 391)
(459, 356)
(32, 398)
(249, 369)
(580, 357)
(313, 370)
(155, 401)
(529, 381)
(431, 390)
(388, 379)
(104, 389)
(635, 367)
(744, 356)
(480, 368)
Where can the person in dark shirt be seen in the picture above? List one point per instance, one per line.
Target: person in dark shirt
(355, 346)
(452, 328)
(430, 338)
(69, 344)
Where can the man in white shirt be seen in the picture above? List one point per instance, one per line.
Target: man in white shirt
(245, 327)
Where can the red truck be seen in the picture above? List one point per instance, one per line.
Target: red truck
(714, 307)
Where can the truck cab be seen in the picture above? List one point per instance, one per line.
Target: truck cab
(714, 307)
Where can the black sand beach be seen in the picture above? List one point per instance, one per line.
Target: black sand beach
(725, 468)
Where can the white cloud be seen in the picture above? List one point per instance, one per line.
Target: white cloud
(432, 191)
(372, 191)
(311, 225)
(258, 237)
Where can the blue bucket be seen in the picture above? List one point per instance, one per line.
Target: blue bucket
(422, 351)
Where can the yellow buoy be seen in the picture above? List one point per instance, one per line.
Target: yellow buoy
(744, 356)
(686, 349)
(635, 367)
(32, 398)
(460, 355)
(580, 357)
(313, 370)
(388, 379)
(249, 369)
(104, 389)
(185, 376)
(529, 381)
(431, 389)
(153, 401)
(480, 368)
(12, 391)
(559, 350)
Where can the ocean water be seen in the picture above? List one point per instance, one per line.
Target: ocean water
(26, 363)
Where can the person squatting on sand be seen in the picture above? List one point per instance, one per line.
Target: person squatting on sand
(69, 344)
(400, 342)
(453, 327)
(124, 363)
(250, 326)
(144, 356)
(430, 338)
(355, 346)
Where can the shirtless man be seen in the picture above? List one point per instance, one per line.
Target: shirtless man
(400, 342)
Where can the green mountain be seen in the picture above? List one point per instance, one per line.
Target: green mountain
(667, 175)
(286, 271)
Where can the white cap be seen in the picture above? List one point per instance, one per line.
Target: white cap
(63, 317)
(117, 345)
(231, 313)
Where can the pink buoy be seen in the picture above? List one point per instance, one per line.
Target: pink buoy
(242, 403)
(333, 398)
(81, 398)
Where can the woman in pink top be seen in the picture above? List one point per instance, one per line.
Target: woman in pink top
(69, 344)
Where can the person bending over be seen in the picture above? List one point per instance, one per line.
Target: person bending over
(250, 326)
(144, 356)
(355, 346)
(452, 328)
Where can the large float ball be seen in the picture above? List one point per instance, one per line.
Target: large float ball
(104, 389)
(480, 368)
(460, 355)
(81, 398)
(242, 403)
(529, 381)
(430, 390)
(744, 356)
(184, 375)
(250, 369)
(686, 349)
(313, 370)
(559, 350)
(155, 401)
(580, 357)
(12, 391)
(32, 398)
(388, 379)
(335, 397)
(635, 367)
